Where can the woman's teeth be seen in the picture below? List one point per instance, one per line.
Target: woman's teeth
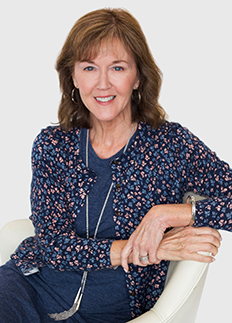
(106, 99)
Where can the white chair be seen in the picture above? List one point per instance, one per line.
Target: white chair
(177, 304)
(181, 296)
(12, 234)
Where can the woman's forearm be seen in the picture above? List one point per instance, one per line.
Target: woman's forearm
(115, 252)
(174, 215)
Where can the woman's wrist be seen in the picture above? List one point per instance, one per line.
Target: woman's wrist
(115, 252)
(191, 199)
(175, 215)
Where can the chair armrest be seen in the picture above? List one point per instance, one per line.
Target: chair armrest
(12, 234)
(181, 296)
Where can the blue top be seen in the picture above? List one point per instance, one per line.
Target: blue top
(159, 167)
(106, 286)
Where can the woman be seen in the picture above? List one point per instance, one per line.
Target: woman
(107, 187)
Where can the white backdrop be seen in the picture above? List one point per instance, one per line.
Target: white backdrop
(191, 43)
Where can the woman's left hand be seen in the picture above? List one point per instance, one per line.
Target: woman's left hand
(145, 240)
(190, 243)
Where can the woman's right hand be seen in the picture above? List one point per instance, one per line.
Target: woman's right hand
(189, 243)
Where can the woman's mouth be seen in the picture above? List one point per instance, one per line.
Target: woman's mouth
(105, 99)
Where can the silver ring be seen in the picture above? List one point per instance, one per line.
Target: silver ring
(144, 258)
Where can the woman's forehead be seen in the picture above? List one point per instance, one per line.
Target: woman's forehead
(106, 47)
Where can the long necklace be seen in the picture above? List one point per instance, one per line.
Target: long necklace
(77, 302)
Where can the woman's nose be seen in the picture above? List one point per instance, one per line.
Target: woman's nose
(103, 81)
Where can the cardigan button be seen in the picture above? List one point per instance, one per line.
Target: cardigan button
(115, 162)
(117, 213)
(117, 186)
(132, 294)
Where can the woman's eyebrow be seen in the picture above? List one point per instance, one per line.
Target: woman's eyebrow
(114, 62)
(87, 61)
(120, 61)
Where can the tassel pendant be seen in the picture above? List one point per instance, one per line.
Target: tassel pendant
(76, 304)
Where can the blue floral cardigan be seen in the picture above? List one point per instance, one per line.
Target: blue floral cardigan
(158, 167)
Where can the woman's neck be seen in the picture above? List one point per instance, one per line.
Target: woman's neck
(107, 139)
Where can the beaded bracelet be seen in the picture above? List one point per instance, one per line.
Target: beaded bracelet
(192, 200)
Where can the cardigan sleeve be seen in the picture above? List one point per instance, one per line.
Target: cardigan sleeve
(209, 176)
(60, 246)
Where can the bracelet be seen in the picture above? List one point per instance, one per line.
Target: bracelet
(192, 200)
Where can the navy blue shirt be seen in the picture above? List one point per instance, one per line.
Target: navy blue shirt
(106, 297)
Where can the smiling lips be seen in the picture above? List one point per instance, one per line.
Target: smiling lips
(105, 99)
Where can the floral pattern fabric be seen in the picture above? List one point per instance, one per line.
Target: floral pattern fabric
(159, 167)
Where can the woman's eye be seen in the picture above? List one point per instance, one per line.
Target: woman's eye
(88, 68)
(118, 68)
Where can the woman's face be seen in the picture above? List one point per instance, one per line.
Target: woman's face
(106, 83)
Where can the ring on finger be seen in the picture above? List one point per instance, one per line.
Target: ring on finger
(144, 258)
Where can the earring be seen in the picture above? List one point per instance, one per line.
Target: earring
(137, 97)
(73, 95)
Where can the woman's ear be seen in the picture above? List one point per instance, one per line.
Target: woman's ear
(74, 82)
(73, 78)
(136, 85)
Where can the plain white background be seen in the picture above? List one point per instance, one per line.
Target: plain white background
(191, 43)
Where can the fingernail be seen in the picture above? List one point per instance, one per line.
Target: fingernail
(126, 271)
(213, 259)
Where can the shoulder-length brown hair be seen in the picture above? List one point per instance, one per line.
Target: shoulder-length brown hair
(83, 44)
